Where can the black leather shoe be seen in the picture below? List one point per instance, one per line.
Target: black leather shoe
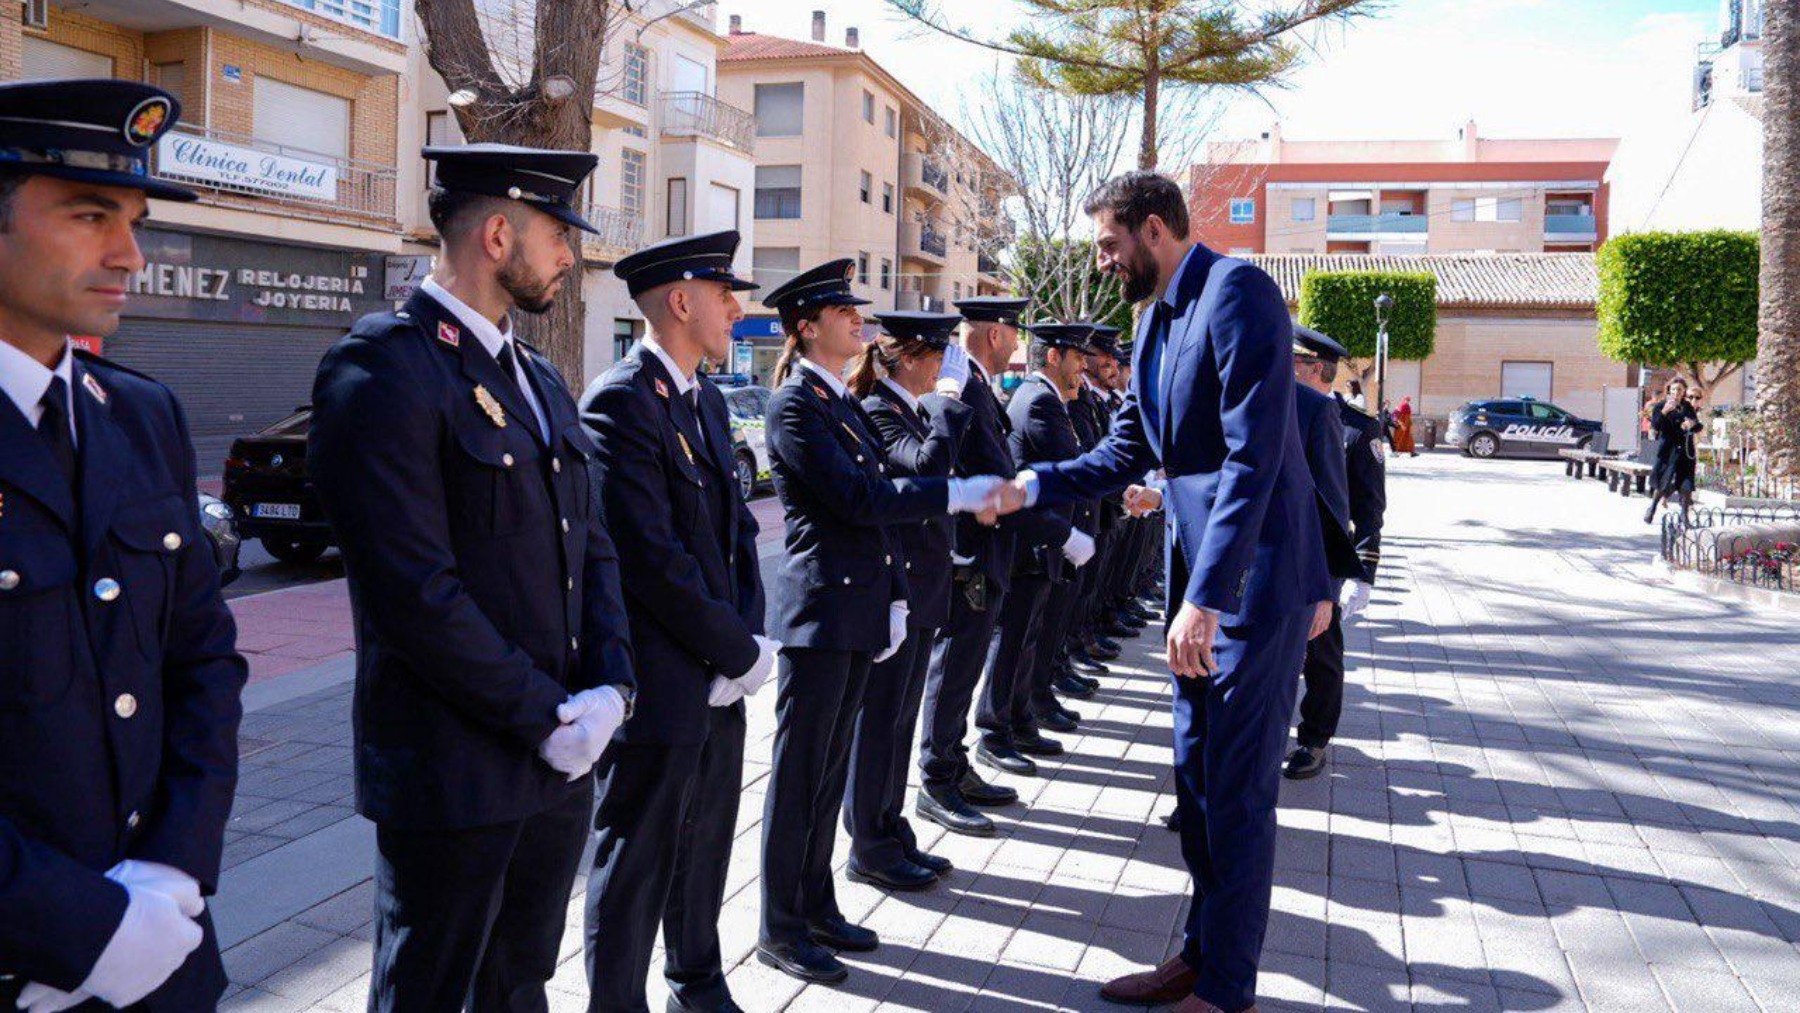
(1083, 680)
(1070, 686)
(721, 1005)
(1304, 762)
(1098, 652)
(1056, 721)
(1082, 663)
(1005, 759)
(1129, 620)
(841, 935)
(1173, 821)
(1037, 744)
(975, 791)
(1107, 646)
(903, 876)
(806, 961)
(938, 864)
(950, 811)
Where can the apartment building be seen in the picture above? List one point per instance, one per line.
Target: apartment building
(290, 132)
(850, 163)
(1472, 194)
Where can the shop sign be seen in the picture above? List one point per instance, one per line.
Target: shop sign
(184, 156)
(193, 276)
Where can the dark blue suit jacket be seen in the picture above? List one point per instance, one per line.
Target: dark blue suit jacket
(118, 718)
(1219, 419)
(684, 533)
(483, 584)
(922, 447)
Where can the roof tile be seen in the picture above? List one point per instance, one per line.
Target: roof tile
(1502, 280)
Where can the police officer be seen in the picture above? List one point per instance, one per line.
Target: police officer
(669, 785)
(909, 380)
(119, 675)
(981, 567)
(1052, 544)
(838, 606)
(1316, 358)
(493, 664)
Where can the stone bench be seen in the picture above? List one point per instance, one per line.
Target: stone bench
(1621, 475)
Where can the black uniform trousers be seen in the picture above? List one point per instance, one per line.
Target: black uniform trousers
(474, 915)
(1062, 612)
(663, 844)
(1005, 706)
(956, 662)
(880, 836)
(815, 718)
(1323, 703)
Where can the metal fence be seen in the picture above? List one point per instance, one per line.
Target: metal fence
(1755, 546)
(364, 190)
(697, 114)
(619, 229)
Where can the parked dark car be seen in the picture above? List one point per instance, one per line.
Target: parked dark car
(267, 488)
(220, 525)
(1520, 426)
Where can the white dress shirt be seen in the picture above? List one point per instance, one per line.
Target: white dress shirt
(683, 382)
(25, 380)
(835, 382)
(493, 337)
(906, 397)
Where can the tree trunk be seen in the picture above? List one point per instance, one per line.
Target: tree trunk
(1152, 93)
(1778, 342)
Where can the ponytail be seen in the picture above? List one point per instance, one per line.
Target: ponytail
(784, 364)
(791, 351)
(864, 373)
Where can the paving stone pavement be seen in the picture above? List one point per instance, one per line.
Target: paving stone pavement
(1561, 782)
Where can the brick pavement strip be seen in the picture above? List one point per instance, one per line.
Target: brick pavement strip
(1561, 782)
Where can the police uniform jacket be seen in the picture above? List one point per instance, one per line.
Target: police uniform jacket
(1322, 434)
(1089, 413)
(119, 682)
(484, 586)
(684, 533)
(1044, 430)
(921, 442)
(989, 548)
(1367, 474)
(843, 568)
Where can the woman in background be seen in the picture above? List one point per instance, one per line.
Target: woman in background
(1674, 423)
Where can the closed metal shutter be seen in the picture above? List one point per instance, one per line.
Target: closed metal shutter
(232, 379)
(42, 59)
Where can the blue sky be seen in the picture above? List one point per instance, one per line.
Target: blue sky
(1520, 68)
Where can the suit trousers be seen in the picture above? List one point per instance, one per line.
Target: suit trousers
(1005, 705)
(956, 661)
(1323, 703)
(1229, 734)
(815, 718)
(880, 836)
(663, 833)
(475, 915)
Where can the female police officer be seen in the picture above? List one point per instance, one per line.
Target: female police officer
(838, 604)
(909, 381)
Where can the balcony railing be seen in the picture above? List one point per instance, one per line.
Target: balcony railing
(917, 302)
(697, 114)
(1569, 225)
(619, 229)
(985, 264)
(379, 16)
(923, 174)
(229, 168)
(919, 239)
(1371, 224)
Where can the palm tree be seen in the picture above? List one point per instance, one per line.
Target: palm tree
(1778, 349)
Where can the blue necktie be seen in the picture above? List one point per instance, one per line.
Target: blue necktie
(1150, 375)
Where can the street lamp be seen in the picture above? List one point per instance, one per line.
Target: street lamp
(1384, 305)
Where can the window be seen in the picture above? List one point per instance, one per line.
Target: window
(1510, 209)
(862, 269)
(955, 291)
(887, 274)
(296, 117)
(625, 334)
(676, 214)
(887, 198)
(774, 265)
(636, 131)
(43, 59)
(869, 108)
(893, 122)
(779, 109)
(172, 78)
(636, 85)
(723, 213)
(1525, 379)
(1243, 210)
(777, 191)
(438, 130)
(865, 188)
(631, 183)
(1305, 208)
(1462, 209)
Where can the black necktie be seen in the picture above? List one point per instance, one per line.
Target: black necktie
(54, 427)
(509, 364)
(692, 397)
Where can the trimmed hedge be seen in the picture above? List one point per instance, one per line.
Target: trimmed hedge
(1341, 304)
(1673, 298)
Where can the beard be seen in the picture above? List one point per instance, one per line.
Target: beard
(1140, 276)
(529, 293)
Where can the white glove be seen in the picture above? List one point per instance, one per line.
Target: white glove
(1354, 598)
(152, 941)
(724, 692)
(167, 880)
(973, 495)
(589, 719)
(767, 653)
(1079, 548)
(953, 373)
(897, 613)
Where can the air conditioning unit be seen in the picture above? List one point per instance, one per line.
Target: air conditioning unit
(37, 13)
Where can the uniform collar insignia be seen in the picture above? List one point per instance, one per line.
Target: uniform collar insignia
(662, 389)
(816, 389)
(93, 387)
(495, 413)
(449, 333)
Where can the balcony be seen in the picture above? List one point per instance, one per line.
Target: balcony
(379, 16)
(987, 264)
(1364, 225)
(921, 242)
(237, 170)
(697, 114)
(1574, 228)
(925, 177)
(917, 302)
(621, 231)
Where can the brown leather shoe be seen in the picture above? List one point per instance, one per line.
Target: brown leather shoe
(1195, 1004)
(1168, 982)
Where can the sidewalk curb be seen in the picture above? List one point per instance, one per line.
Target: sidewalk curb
(282, 688)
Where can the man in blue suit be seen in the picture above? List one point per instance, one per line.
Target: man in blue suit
(1212, 404)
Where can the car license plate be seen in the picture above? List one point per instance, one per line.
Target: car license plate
(284, 511)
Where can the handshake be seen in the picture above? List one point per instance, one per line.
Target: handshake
(988, 497)
(153, 940)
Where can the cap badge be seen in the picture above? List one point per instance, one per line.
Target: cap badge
(490, 406)
(449, 333)
(514, 192)
(145, 121)
(662, 389)
(93, 387)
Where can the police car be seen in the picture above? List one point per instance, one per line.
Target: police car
(1518, 426)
